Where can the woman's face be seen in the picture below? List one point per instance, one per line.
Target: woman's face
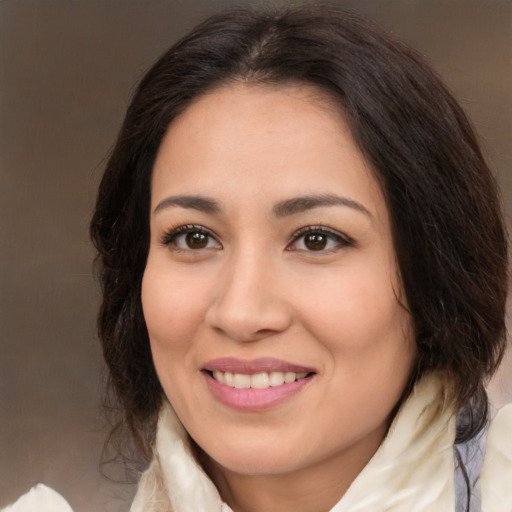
(271, 292)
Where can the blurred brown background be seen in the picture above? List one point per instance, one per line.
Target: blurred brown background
(67, 70)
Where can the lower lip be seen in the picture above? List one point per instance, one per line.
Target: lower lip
(254, 399)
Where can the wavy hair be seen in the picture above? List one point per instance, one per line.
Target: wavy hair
(447, 224)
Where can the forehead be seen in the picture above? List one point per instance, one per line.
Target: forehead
(259, 142)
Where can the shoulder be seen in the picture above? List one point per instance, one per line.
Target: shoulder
(40, 499)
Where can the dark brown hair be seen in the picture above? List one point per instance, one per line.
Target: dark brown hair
(446, 217)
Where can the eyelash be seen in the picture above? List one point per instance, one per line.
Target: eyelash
(170, 237)
(341, 240)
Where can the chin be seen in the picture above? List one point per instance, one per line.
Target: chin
(257, 465)
(256, 459)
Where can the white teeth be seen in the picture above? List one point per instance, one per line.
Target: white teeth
(261, 380)
(276, 378)
(289, 377)
(228, 379)
(241, 381)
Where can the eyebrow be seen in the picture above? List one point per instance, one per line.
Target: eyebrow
(282, 209)
(304, 203)
(203, 204)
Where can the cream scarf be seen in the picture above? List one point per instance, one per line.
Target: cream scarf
(412, 471)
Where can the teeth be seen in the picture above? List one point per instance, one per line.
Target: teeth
(241, 381)
(229, 379)
(289, 377)
(276, 378)
(261, 380)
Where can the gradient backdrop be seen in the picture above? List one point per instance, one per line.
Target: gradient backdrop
(67, 71)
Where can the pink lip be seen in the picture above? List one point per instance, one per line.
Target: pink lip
(254, 399)
(249, 367)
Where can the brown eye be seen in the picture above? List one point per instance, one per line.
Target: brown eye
(190, 238)
(315, 241)
(319, 239)
(196, 240)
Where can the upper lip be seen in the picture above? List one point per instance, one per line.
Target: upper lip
(263, 364)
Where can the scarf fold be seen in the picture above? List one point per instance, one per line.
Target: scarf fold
(496, 475)
(40, 499)
(412, 471)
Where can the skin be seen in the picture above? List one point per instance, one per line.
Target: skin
(256, 289)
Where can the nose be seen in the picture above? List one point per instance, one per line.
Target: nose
(249, 303)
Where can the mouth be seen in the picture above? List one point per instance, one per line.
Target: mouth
(261, 380)
(257, 384)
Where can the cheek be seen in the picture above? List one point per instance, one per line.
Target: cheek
(369, 340)
(357, 317)
(172, 309)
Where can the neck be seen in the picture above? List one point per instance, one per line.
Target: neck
(315, 488)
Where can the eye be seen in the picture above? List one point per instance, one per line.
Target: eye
(189, 237)
(317, 239)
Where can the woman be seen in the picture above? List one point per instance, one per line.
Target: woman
(304, 274)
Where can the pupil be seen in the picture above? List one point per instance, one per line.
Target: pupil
(196, 240)
(316, 241)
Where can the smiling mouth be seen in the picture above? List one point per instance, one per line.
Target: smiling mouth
(261, 380)
(256, 385)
